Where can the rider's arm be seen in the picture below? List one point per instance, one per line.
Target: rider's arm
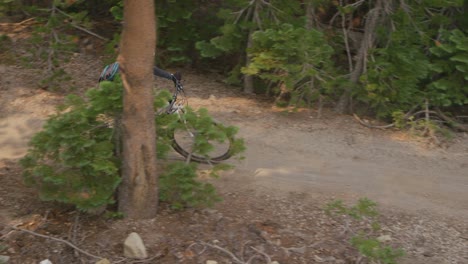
(164, 74)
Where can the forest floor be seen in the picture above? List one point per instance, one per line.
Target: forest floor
(273, 201)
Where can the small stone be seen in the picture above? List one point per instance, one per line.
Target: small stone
(384, 238)
(275, 262)
(211, 262)
(103, 261)
(299, 250)
(428, 253)
(134, 247)
(45, 261)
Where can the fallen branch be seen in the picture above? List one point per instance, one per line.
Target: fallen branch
(56, 239)
(227, 252)
(268, 259)
(456, 125)
(234, 258)
(362, 122)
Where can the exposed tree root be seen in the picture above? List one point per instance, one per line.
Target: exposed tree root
(452, 123)
(239, 260)
(55, 239)
(366, 124)
(427, 115)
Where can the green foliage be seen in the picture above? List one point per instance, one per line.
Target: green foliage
(364, 208)
(294, 56)
(74, 159)
(392, 81)
(375, 250)
(369, 246)
(239, 19)
(449, 84)
(9, 6)
(399, 119)
(419, 50)
(230, 41)
(180, 188)
(419, 60)
(113, 215)
(181, 24)
(51, 42)
(117, 11)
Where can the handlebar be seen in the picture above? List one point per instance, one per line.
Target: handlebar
(176, 77)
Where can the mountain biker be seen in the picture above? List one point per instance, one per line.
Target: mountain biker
(111, 70)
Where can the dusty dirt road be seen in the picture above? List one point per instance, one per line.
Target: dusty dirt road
(335, 156)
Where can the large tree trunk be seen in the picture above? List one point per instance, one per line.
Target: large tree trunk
(138, 193)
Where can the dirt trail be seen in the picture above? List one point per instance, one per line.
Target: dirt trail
(294, 162)
(335, 156)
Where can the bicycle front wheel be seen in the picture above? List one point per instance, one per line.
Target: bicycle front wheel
(210, 145)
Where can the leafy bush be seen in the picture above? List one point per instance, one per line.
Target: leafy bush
(449, 86)
(72, 159)
(375, 250)
(298, 58)
(393, 79)
(75, 158)
(180, 187)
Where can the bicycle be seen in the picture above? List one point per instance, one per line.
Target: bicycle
(197, 138)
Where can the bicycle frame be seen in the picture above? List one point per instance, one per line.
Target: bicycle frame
(175, 105)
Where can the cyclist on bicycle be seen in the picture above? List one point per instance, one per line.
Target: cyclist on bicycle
(111, 70)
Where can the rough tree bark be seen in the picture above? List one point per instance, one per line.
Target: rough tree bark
(138, 193)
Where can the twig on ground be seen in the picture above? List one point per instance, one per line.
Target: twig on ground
(267, 258)
(234, 258)
(195, 244)
(362, 122)
(227, 252)
(56, 239)
(243, 249)
(147, 260)
(25, 21)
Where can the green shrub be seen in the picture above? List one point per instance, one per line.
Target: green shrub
(74, 159)
(364, 240)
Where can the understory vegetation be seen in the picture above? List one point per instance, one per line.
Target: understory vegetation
(361, 222)
(403, 62)
(75, 159)
(393, 60)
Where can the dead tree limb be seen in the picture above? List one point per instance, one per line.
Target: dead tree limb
(55, 239)
(451, 122)
(366, 124)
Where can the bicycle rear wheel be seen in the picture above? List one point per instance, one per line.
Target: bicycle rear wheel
(210, 146)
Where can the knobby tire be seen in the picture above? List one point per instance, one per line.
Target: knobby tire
(198, 158)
